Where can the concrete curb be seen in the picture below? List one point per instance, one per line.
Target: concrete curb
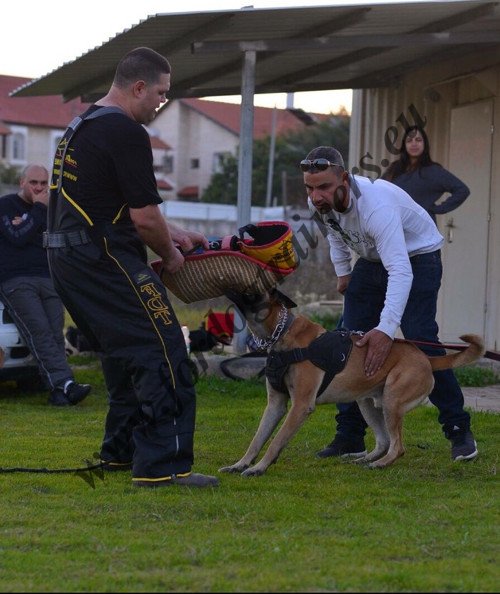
(486, 399)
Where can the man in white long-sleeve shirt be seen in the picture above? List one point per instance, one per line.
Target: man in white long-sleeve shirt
(394, 283)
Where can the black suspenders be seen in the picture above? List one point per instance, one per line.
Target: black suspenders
(73, 127)
(78, 237)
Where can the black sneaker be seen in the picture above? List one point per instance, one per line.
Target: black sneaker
(58, 398)
(113, 466)
(344, 448)
(187, 479)
(75, 393)
(463, 446)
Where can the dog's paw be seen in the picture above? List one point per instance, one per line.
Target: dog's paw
(235, 468)
(253, 471)
(375, 466)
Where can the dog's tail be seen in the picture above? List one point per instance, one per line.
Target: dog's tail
(474, 351)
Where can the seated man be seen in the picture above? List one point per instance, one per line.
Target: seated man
(26, 288)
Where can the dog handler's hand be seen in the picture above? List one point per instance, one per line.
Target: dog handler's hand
(379, 346)
(342, 283)
(174, 261)
(187, 239)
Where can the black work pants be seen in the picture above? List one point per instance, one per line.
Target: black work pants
(38, 314)
(122, 307)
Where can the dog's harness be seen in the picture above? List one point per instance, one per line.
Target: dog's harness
(329, 351)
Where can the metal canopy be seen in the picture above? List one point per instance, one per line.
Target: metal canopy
(297, 49)
(280, 50)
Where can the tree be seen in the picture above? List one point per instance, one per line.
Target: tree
(9, 174)
(293, 147)
(290, 149)
(333, 131)
(223, 187)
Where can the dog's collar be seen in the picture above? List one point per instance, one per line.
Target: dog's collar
(285, 320)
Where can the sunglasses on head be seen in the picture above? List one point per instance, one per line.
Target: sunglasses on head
(319, 164)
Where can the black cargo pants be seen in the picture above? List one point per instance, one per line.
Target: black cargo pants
(122, 307)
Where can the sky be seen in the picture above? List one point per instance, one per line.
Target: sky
(39, 36)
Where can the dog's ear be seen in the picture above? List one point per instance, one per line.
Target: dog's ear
(283, 299)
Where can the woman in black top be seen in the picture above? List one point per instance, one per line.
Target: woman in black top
(424, 179)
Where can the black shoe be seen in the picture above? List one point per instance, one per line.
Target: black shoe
(58, 398)
(344, 448)
(111, 466)
(187, 479)
(463, 445)
(75, 393)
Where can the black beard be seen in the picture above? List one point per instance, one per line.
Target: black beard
(338, 204)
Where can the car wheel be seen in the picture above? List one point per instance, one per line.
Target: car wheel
(31, 383)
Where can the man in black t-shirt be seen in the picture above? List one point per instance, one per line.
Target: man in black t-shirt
(26, 288)
(103, 211)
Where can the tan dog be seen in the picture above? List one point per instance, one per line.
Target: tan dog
(404, 381)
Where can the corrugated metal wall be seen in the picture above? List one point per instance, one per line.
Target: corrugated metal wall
(377, 124)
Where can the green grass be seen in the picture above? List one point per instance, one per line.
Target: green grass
(476, 376)
(328, 320)
(309, 525)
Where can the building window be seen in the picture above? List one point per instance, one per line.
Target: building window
(18, 147)
(55, 142)
(195, 163)
(218, 160)
(168, 164)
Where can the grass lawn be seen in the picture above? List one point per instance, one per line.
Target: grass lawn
(309, 525)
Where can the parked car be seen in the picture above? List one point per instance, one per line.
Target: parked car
(19, 364)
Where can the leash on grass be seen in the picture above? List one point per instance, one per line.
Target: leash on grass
(53, 470)
(87, 473)
(495, 355)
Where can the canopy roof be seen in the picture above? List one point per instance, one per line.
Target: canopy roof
(298, 49)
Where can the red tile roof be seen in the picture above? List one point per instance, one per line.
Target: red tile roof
(189, 192)
(163, 184)
(4, 130)
(157, 143)
(228, 115)
(48, 111)
(52, 112)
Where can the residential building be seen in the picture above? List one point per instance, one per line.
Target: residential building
(189, 137)
(30, 127)
(202, 132)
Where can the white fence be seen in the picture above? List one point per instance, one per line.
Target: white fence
(215, 219)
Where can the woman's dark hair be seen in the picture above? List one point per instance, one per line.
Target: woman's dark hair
(403, 164)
